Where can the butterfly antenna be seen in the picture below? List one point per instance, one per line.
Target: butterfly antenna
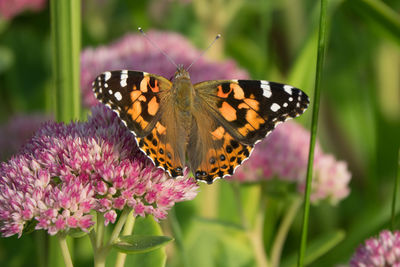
(205, 50)
(155, 45)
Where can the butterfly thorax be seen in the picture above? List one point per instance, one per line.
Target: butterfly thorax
(183, 91)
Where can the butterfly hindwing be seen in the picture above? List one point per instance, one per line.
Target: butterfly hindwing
(163, 153)
(212, 151)
(134, 96)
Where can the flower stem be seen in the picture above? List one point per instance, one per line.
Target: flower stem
(238, 200)
(284, 227)
(128, 229)
(100, 250)
(65, 32)
(177, 232)
(118, 227)
(99, 240)
(314, 124)
(395, 189)
(62, 241)
(256, 236)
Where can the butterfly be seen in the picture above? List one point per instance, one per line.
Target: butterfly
(211, 125)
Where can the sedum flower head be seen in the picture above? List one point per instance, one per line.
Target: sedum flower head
(134, 52)
(284, 154)
(381, 251)
(66, 171)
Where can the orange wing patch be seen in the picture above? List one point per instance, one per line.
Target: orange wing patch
(228, 112)
(153, 106)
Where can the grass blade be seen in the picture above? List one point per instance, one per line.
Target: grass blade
(314, 124)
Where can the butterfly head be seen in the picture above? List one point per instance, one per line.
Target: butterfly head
(181, 73)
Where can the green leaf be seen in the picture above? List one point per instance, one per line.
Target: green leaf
(77, 233)
(134, 244)
(149, 227)
(317, 248)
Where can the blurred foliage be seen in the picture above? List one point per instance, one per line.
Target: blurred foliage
(273, 40)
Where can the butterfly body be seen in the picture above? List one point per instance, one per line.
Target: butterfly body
(211, 125)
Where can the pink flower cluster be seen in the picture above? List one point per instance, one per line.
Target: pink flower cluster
(67, 171)
(284, 154)
(134, 52)
(381, 251)
(11, 8)
(17, 130)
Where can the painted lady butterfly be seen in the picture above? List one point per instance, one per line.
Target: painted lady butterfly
(213, 125)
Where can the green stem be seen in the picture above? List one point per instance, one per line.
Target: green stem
(238, 200)
(177, 232)
(101, 251)
(314, 124)
(128, 229)
(395, 189)
(256, 235)
(99, 240)
(65, 32)
(62, 241)
(118, 227)
(284, 227)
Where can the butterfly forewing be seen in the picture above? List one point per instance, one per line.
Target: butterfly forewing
(134, 96)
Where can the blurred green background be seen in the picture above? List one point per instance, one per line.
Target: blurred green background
(274, 40)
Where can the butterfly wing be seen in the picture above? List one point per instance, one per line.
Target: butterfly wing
(245, 112)
(212, 151)
(141, 101)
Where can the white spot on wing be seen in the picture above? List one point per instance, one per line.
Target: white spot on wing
(107, 75)
(275, 107)
(285, 105)
(290, 99)
(110, 92)
(118, 96)
(124, 76)
(266, 89)
(288, 89)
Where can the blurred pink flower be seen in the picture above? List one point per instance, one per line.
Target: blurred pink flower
(381, 251)
(66, 171)
(134, 52)
(284, 154)
(11, 8)
(17, 130)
